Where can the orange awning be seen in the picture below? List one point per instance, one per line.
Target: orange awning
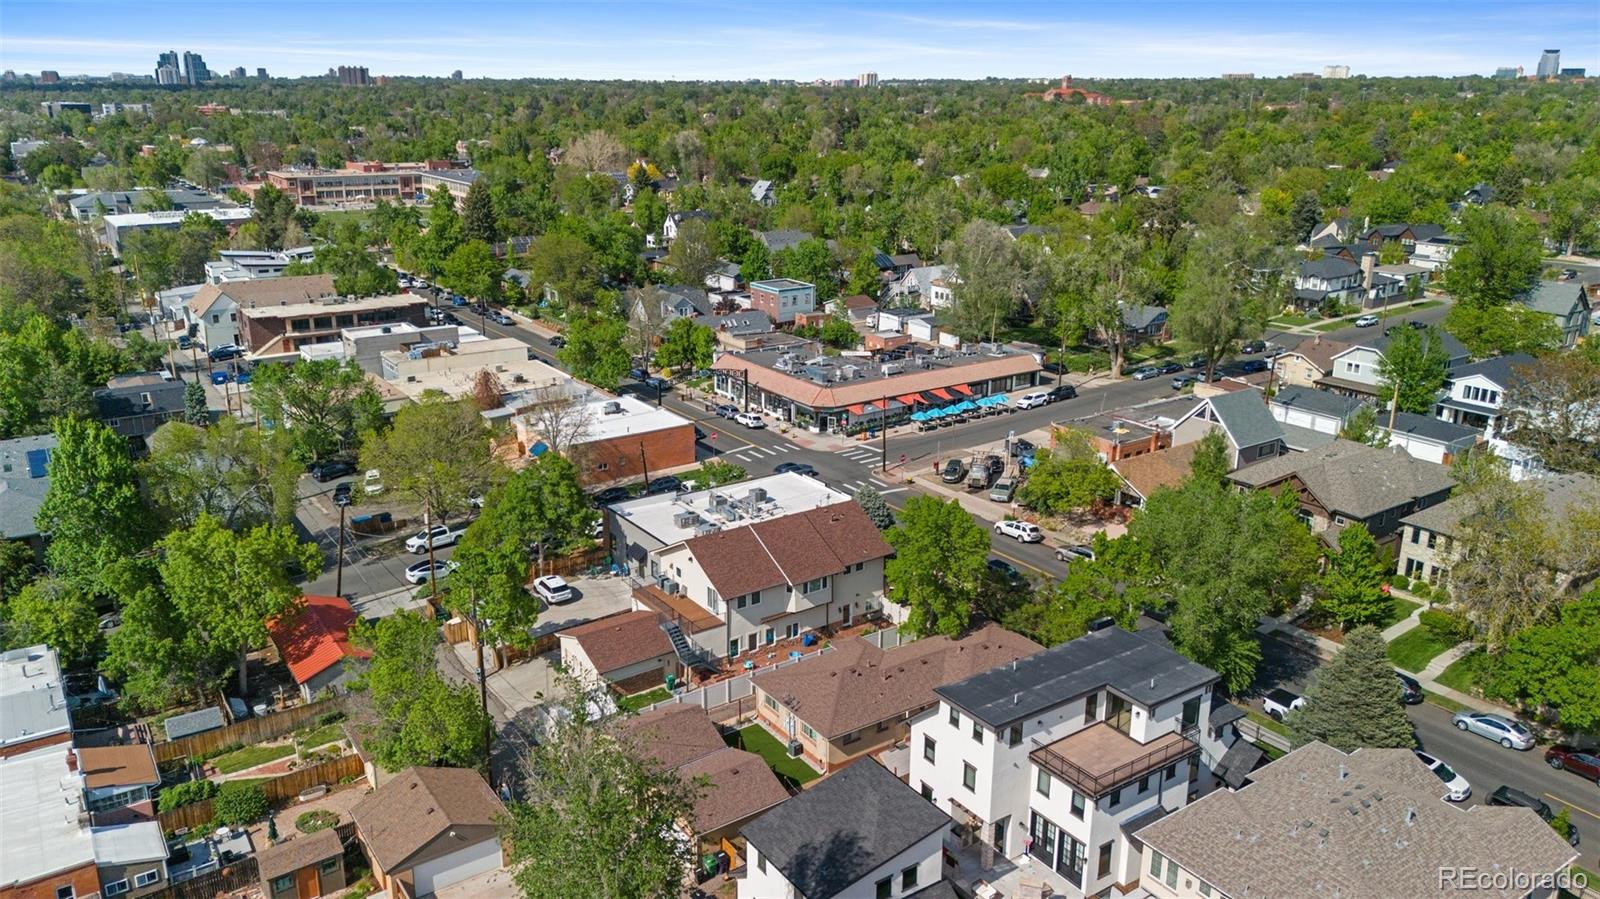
(962, 389)
(911, 399)
(857, 408)
(941, 393)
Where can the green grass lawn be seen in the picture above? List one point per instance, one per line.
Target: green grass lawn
(1462, 674)
(640, 700)
(1414, 649)
(756, 739)
(1399, 610)
(322, 736)
(1443, 702)
(250, 756)
(1266, 721)
(1332, 325)
(1285, 321)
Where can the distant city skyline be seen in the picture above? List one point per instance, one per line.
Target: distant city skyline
(830, 40)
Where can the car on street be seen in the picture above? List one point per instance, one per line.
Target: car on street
(1077, 552)
(809, 471)
(329, 469)
(185, 341)
(443, 535)
(458, 300)
(1410, 690)
(1584, 763)
(953, 472)
(500, 318)
(1459, 789)
(658, 384)
(1003, 490)
(1252, 347)
(1182, 381)
(225, 352)
(1021, 448)
(1146, 373)
(1006, 571)
(341, 493)
(557, 341)
(1169, 368)
(1273, 351)
(1033, 398)
(425, 571)
(1511, 796)
(1198, 360)
(1253, 366)
(1062, 392)
(1280, 702)
(450, 318)
(1020, 531)
(1502, 730)
(611, 495)
(750, 420)
(553, 589)
(638, 374)
(725, 410)
(1366, 321)
(221, 377)
(1567, 274)
(664, 484)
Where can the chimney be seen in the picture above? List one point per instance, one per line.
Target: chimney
(1368, 260)
(72, 760)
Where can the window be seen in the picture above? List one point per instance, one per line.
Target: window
(733, 647)
(145, 878)
(115, 888)
(1416, 534)
(1433, 540)
(1157, 860)
(329, 866)
(1091, 708)
(283, 884)
(813, 586)
(1043, 783)
(771, 636)
(885, 888)
(927, 792)
(955, 717)
(927, 748)
(1102, 865)
(806, 729)
(969, 777)
(1172, 877)
(1172, 772)
(977, 731)
(882, 726)
(1014, 736)
(851, 737)
(908, 877)
(602, 466)
(1144, 783)
(1115, 798)
(770, 703)
(755, 598)
(761, 864)
(1077, 805)
(65, 892)
(739, 603)
(860, 565)
(1205, 889)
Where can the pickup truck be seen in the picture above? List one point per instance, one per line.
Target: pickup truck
(443, 535)
(1278, 703)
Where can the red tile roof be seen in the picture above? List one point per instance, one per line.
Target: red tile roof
(318, 636)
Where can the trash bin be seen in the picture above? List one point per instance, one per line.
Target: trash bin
(809, 640)
(672, 682)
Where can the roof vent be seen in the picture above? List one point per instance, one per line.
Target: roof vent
(612, 408)
(1411, 815)
(1343, 771)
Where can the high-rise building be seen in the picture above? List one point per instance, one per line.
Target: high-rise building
(1336, 71)
(1549, 64)
(194, 69)
(1508, 72)
(868, 79)
(456, 75)
(1572, 73)
(166, 60)
(261, 73)
(354, 76)
(236, 72)
(49, 76)
(168, 75)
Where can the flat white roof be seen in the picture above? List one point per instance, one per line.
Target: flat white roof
(330, 305)
(636, 417)
(175, 216)
(32, 700)
(373, 330)
(42, 801)
(124, 844)
(727, 507)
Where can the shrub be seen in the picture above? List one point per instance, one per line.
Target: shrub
(179, 795)
(240, 803)
(313, 821)
(1400, 582)
(1449, 628)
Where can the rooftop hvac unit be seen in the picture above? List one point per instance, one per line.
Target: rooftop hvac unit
(893, 368)
(612, 408)
(685, 520)
(757, 494)
(794, 749)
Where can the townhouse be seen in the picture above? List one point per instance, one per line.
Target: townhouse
(1063, 754)
(1428, 539)
(1354, 371)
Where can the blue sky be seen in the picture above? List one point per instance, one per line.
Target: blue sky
(801, 40)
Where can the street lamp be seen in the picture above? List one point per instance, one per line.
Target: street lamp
(343, 502)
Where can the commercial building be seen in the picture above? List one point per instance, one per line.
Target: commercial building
(282, 328)
(364, 182)
(212, 311)
(783, 298)
(847, 394)
(118, 227)
(194, 69)
(84, 205)
(1549, 64)
(251, 265)
(610, 438)
(354, 76)
(1336, 71)
(54, 108)
(454, 370)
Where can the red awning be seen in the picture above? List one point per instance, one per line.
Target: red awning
(962, 389)
(856, 409)
(911, 399)
(941, 393)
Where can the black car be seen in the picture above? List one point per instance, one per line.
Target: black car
(796, 467)
(557, 341)
(1252, 366)
(954, 472)
(1416, 325)
(1170, 368)
(1054, 368)
(1254, 346)
(611, 495)
(1005, 571)
(450, 318)
(341, 493)
(1504, 795)
(666, 484)
(1410, 690)
(1063, 392)
(1021, 448)
(332, 468)
(226, 352)
(995, 464)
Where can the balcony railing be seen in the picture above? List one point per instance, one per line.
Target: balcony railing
(1099, 783)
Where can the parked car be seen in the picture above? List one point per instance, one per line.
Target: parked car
(1003, 490)
(750, 420)
(557, 341)
(1584, 763)
(1455, 783)
(553, 589)
(1021, 448)
(372, 482)
(954, 471)
(450, 318)
(1062, 392)
(1252, 347)
(1182, 381)
(1366, 321)
(1054, 368)
(1504, 795)
(1567, 274)
(327, 470)
(1021, 531)
(225, 352)
(1198, 360)
(1410, 690)
(611, 495)
(458, 300)
(809, 471)
(1146, 373)
(500, 318)
(221, 376)
(1006, 572)
(1253, 366)
(664, 484)
(341, 493)
(725, 410)
(425, 571)
(443, 535)
(1033, 398)
(1273, 351)
(1280, 702)
(1077, 552)
(1498, 728)
(1169, 368)
(184, 341)
(658, 384)
(638, 374)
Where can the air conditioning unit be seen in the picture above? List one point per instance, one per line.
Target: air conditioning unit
(794, 749)
(685, 519)
(612, 408)
(758, 494)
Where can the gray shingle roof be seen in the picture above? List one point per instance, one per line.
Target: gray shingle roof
(1499, 369)
(782, 239)
(1302, 439)
(1144, 671)
(1428, 428)
(23, 482)
(1321, 402)
(1554, 297)
(1328, 267)
(836, 833)
(193, 723)
(124, 397)
(1562, 493)
(1351, 478)
(1246, 418)
(1140, 317)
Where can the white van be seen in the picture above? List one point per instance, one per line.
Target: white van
(1033, 398)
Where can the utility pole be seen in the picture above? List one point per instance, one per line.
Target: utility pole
(427, 530)
(483, 690)
(884, 455)
(1394, 405)
(338, 578)
(644, 464)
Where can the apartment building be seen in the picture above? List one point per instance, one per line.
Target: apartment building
(1063, 754)
(365, 182)
(279, 329)
(118, 227)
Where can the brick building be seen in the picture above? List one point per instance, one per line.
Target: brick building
(282, 328)
(619, 439)
(782, 298)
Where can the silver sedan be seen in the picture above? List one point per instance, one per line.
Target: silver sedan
(1498, 728)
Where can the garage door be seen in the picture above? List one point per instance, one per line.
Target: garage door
(439, 873)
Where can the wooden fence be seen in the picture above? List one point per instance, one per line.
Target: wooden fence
(239, 875)
(278, 789)
(246, 732)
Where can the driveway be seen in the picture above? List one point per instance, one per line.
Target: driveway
(593, 597)
(496, 884)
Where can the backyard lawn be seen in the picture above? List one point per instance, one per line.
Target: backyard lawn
(322, 736)
(1414, 649)
(1266, 721)
(643, 700)
(756, 739)
(250, 756)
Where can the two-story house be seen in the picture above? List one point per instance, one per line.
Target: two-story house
(1428, 548)
(1404, 234)
(135, 405)
(1307, 363)
(119, 782)
(1355, 370)
(1063, 754)
(1252, 432)
(1323, 279)
(783, 298)
(1567, 305)
(675, 220)
(1434, 253)
(1475, 395)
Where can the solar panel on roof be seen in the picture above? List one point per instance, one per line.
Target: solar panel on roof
(38, 462)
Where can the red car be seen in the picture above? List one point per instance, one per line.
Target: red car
(1583, 764)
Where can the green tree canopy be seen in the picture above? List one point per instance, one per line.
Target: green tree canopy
(877, 509)
(1498, 259)
(1555, 666)
(240, 475)
(418, 717)
(596, 350)
(939, 565)
(687, 345)
(1353, 701)
(92, 510)
(1069, 477)
(1413, 369)
(436, 454)
(472, 270)
(57, 614)
(1351, 586)
(322, 403)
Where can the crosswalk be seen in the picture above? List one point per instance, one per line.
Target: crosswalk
(883, 488)
(862, 455)
(756, 453)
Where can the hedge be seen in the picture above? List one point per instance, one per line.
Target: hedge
(240, 803)
(188, 793)
(1448, 628)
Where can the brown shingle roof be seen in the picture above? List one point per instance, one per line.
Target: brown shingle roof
(1352, 478)
(789, 550)
(618, 640)
(291, 289)
(739, 785)
(292, 855)
(673, 735)
(1163, 468)
(409, 811)
(858, 684)
(1320, 351)
(117, 766)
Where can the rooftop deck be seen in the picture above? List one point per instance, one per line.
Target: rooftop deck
(1100, 758)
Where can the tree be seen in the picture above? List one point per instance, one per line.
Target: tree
(691, 256)
(273, 210)
(1351, 587)
(939, 565)
(1552, 403)
(418, 717)
(687, 345)
(1212, 459)
(57, 614)
(810, 261)
(1498, 258)
(1362, 426)
(1305, 216)
(1109, 279)
(541, 510)
(1497, 330)
(473, 271)
(158, 656)
(1094, 589)
(238, 474)
(864, 277)
(436, 454)
(227, 585)
(756, 264)
(478, 219)
(1574, 207)
(1554, 667)
(206, 168)
(1069, 477)
(595, 151)
(566, 265)
(354, 269)
(1353, 701)
(1221, 301)
(92, 509)
(239, 802)
(837, 332)
(323, 403)
(562, 420)
(599, 819)
(195, 408)
(991, 279)
(872, 503)
(596, 350)
(486, 390)
(1413, 368)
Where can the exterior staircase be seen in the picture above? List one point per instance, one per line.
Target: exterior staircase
(690, 655)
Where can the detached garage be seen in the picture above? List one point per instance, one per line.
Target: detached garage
(430, 828)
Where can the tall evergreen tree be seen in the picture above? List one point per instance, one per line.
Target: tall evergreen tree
(1351, 587)
(1353, 701)
(872, 503)
(478, 219)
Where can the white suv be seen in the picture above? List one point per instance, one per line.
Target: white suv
(1023, 531)
(750, 420)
